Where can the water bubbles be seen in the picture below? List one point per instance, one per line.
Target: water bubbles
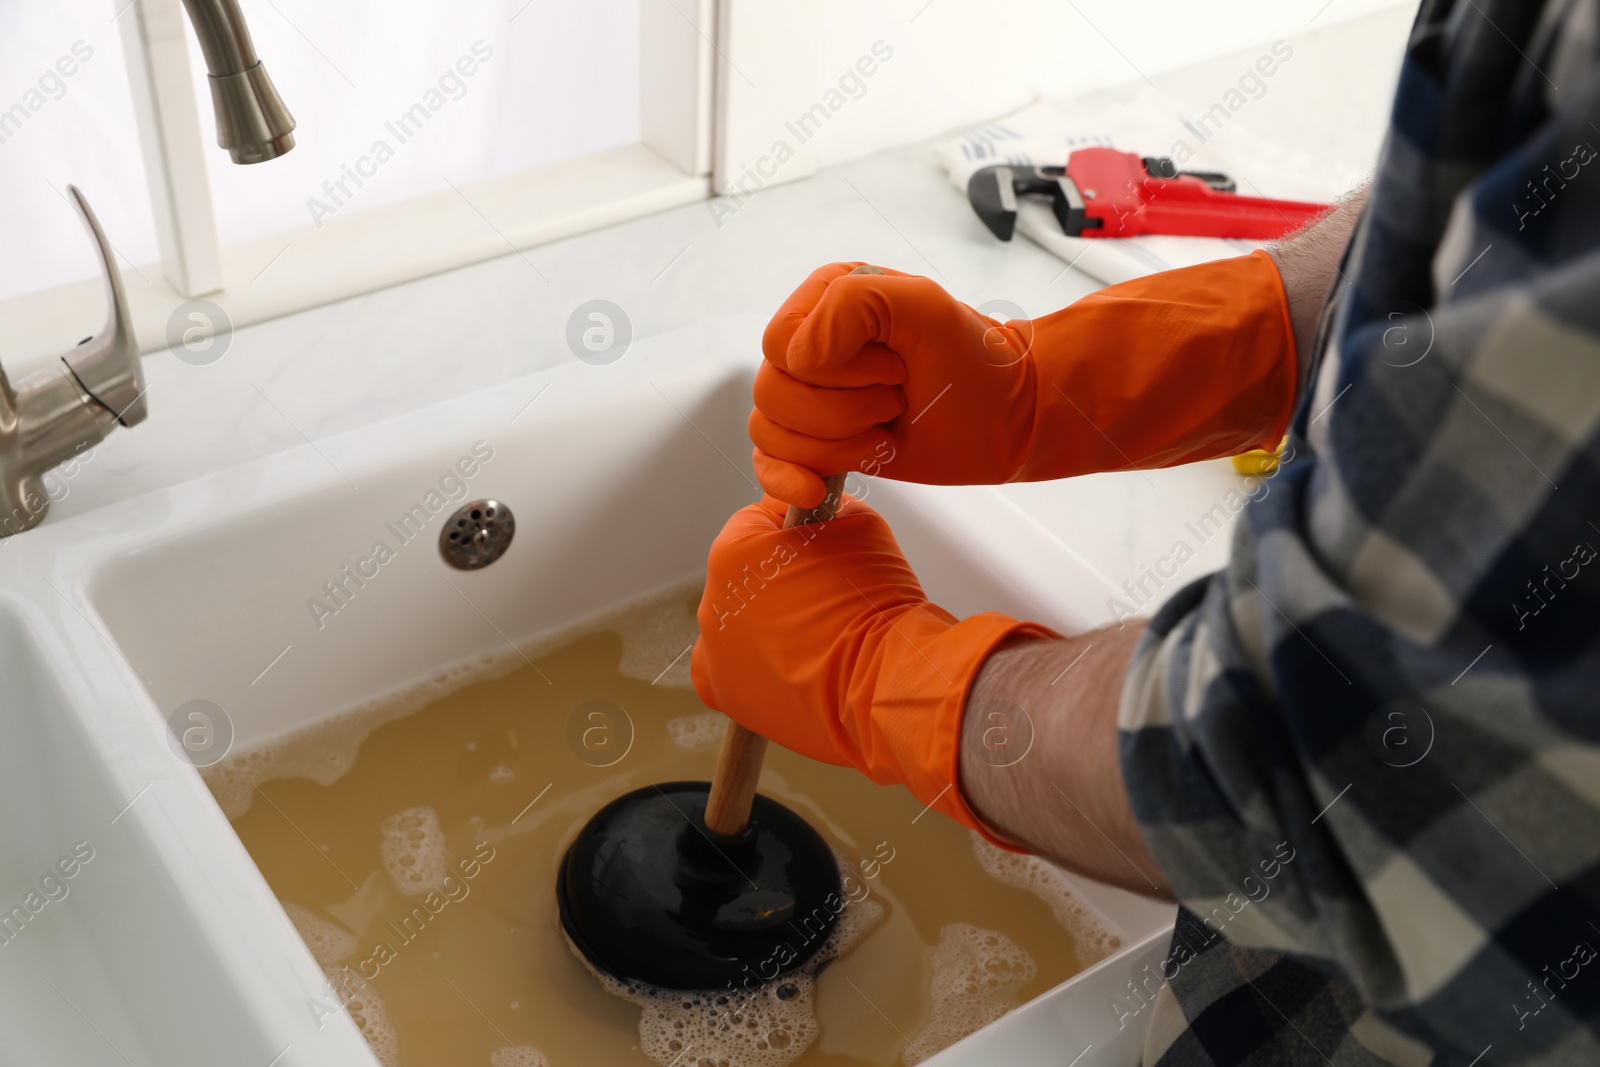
(413, 851)
(769, 1025)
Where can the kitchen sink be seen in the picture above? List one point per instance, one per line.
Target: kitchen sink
(258, 591)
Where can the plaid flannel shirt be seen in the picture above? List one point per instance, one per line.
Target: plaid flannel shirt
(1367, 754)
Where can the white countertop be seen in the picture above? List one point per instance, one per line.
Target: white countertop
(332, 369)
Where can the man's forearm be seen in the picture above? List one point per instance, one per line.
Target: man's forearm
(1308, 260)
(1039, 755)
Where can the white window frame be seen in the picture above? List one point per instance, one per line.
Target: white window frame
(669, 166)
(768, 73)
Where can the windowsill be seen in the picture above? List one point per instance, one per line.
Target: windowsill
(369, 250)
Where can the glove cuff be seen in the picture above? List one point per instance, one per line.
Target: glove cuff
(921, 702)
(1189, 364)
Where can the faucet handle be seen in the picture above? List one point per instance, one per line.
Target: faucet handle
(107, 365)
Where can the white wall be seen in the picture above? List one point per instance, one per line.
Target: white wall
(959, 62)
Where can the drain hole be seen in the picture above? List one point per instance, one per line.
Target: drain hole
(477, 534)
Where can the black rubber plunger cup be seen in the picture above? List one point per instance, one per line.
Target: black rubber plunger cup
(656, 890)
(647, 893)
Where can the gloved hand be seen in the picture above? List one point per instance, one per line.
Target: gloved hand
(889, 374)
(821, 639)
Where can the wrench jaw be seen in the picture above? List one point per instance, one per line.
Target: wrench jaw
(993, 193)
(1067, 203)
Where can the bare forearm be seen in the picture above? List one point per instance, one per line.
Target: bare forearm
(1039, 756)
(1308, 260)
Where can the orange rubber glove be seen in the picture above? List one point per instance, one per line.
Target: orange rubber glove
(821, 639)
(889, 374)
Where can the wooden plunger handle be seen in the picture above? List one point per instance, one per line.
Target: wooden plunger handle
(733, 784)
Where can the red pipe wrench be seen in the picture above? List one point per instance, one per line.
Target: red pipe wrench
(1103, 192)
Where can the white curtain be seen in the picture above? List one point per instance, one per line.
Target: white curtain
(490, 88)
(58, 127)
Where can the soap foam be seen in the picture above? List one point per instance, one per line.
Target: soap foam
(768, 1027)
(328, 941)
(1095, 936)
(367, 1012)
(978, 976)
(696, 731)
(413, 851)
(518, 1056)
(325, 750)
(655, 643)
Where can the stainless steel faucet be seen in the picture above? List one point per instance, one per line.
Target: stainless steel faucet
(55, 413)
(252, 123)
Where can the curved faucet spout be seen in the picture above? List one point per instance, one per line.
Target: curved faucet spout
(252, 122)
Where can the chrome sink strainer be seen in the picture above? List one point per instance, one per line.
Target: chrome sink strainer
(477, 534)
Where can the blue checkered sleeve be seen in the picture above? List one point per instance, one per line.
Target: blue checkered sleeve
(1367, 754)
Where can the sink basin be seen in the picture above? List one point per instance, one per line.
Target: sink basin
(101, 961)
(260, 590)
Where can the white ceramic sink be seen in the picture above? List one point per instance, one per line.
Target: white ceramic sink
(169, 948)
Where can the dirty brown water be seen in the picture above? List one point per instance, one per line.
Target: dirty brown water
(489, 782)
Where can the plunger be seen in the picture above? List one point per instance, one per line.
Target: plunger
(699, 885)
